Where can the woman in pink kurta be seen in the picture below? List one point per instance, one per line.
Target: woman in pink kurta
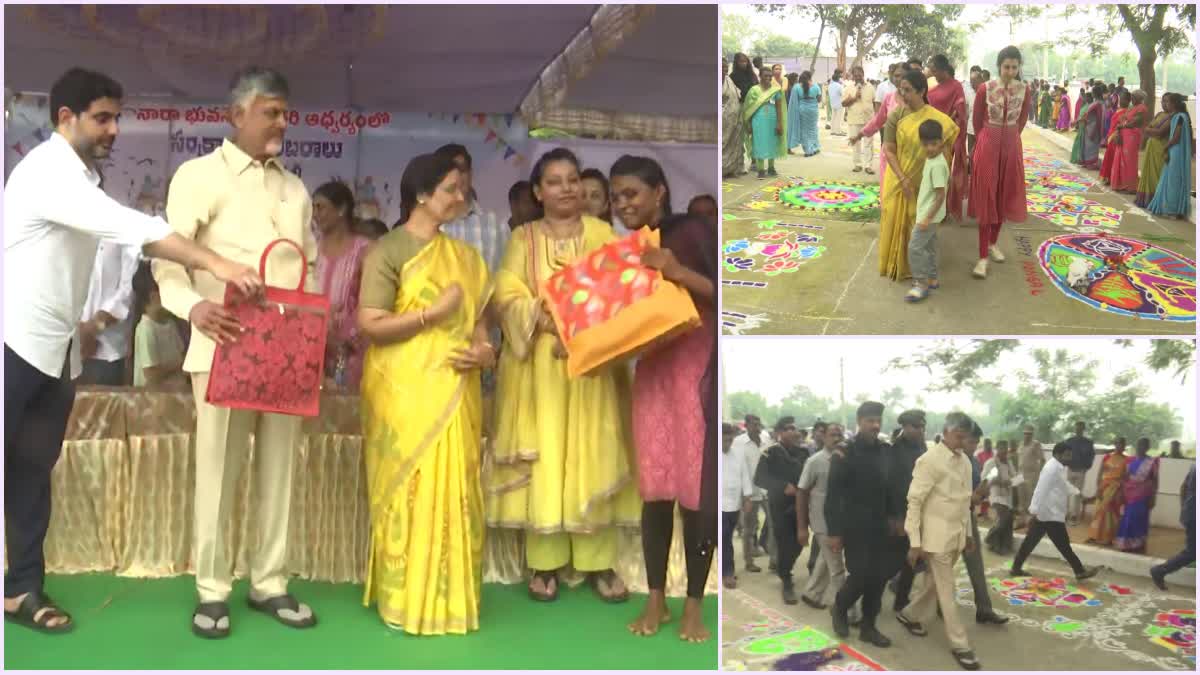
(890, 103)
(947, 97)
(339, 271)
(675, 401)
(1000, 112)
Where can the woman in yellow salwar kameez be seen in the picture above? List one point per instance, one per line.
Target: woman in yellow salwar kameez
(422, 308)
(905, 164)
(563, 468)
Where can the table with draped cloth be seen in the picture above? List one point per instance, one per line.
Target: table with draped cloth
(124, 486)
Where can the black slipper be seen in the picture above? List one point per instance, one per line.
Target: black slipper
(609, 577)
(546, 578)
(273, 606)
(215, 611)
(35, 602)
(966, 659)
(913, 627)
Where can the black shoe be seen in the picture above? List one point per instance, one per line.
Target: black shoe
(751, 567)
(1158, 578)
(810, 602)
(841, 622)
(789, 595)
(1087, 573)
(871, 635)
(899, 604)
(990, 618)
(1018, 573)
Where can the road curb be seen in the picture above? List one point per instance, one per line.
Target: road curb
(1125, 563)
(1066, 143)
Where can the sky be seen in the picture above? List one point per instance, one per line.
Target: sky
(773, 366)
(982, 43)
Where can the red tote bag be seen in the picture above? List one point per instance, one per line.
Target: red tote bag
(278, 364)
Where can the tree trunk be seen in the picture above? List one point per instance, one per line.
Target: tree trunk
(843, 40)
(812, 66)
(1146, 77)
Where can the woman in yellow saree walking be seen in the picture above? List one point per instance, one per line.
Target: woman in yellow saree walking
(422, 308)
(905, 163)
(563, 457)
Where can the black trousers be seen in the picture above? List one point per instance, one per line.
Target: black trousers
(787, 547)
(1058, 535)
(729, 520)
(36, 408)
(867, 574)
(1185, 557)
(699, 540)
(104, 373)
(814, 552)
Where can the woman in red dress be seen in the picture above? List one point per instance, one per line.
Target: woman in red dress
(999, 114)
(949, 99)
(1124, 177)
(1112, 146)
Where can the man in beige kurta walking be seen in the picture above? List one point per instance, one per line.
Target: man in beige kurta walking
(1030, 460)
(236, 201)
(938, 524)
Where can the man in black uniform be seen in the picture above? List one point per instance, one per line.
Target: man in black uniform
(860, 514)
(909, 445)
(778, 473)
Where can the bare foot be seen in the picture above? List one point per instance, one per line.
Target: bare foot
(653, 616)
(691, 627)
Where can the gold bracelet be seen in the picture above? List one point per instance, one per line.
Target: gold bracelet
(422, 315)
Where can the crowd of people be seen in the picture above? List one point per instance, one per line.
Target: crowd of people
(898, 512)
(448, 294)
(924, 113)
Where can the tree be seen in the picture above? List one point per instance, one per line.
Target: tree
(777, 45)
(744, 403)
(1156, 30)
(736, 32)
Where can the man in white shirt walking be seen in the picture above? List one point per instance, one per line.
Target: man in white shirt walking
(749, 446)
(54, 216)
(107, 329)
(829, 573)
(859, 97)
(836, 112)
(736, 488)
(1048, 515)
(938, 524)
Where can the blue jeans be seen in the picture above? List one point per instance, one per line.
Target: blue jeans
(922, 253)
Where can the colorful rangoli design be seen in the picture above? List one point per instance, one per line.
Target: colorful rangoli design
(830, 197)
(1044, 593)
(772, 224)
(1044, 163)
(771, 253)
(1122, 275)
(1175, 630)
(1072, 212)
(1057, 181)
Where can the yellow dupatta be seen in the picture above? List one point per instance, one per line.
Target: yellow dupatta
(411, 394)
(899, 213)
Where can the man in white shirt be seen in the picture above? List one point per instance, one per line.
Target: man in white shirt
(938, 524)
(885, 86)
(970, 87)
(54, 216)
(736, 488)
(107, 329)
(749, 446)
(1048, 515)
(837, 112)
(859, 100)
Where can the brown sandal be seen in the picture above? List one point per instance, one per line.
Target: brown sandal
(609, 578)
(547, 578)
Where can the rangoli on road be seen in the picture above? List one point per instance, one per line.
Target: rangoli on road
(775, 252)
(1175, 630)
(1058, 181)
(1044, 592)
(1122, 275)
(831, 198)
(1072, 212)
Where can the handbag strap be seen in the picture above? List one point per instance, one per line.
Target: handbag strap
(262, 262)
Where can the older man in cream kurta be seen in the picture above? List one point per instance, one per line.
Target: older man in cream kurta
(237, 200)
(938, 524)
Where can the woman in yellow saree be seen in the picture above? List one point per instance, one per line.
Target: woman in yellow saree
(1109, 496)
(905, 163)
(422, 308)
(563, 458)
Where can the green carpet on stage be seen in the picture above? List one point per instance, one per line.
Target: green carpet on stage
(129, 624)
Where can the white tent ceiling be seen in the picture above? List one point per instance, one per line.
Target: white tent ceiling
(421, 58)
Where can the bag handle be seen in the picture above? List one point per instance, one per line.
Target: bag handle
(262, 262)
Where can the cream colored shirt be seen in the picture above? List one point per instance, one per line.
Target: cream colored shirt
(939, 501)
(863, 110)
(236, 206)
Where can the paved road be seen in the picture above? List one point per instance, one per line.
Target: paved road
(758, 628)
(839, 290)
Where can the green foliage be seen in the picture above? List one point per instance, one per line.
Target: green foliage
(736, 34)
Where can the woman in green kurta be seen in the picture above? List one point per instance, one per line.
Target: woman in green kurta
(763, 110)
(1047, 104)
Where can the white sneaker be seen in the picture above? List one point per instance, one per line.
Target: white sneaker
(996, 254)
(981, 269)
